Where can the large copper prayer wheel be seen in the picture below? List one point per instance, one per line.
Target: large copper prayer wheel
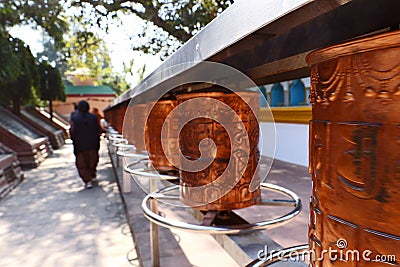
(194, 131)
(138, 128)
(355, 152)
(157, 119)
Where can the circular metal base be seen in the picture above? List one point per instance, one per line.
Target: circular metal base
(132, 154)
(147, 172)
(122, 146)
(124, 149)
(114, 136)
(162, 194)
(279, 255)
(111, 131)
(118, 141)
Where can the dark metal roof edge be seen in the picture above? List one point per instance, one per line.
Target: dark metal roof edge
(250, 15)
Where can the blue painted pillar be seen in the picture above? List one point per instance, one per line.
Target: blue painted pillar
(297, 93)
(277, 98)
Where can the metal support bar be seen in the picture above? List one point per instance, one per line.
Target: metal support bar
(120, 146)
(154, 231)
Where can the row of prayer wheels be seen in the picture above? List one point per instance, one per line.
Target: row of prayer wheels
(115, 116)
(224, 151)
(354, 150)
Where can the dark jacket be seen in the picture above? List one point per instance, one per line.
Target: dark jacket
(85, 132)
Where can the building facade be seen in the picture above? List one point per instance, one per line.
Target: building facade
(83, 88)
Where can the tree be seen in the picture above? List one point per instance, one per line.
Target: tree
(10, 68)
(117, 81)
(56, 56)
(141, 72)
(47, 14)
(87, 50)
(51, 86)
(18, 72)
(21, 88)
(178, 20)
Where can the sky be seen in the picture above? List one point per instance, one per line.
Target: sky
(117, 41)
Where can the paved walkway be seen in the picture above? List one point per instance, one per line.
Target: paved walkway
(50, 220)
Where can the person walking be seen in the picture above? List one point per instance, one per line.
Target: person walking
(100, 119)
(96, 112)
(85, 135)
(75, 111)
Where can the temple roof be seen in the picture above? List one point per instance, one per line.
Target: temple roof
(89, 90)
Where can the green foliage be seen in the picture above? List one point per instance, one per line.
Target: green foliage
(10, 67)
(19, 78)
(171, 23)
(116, 81)
(87, 50)
(141, 72)
(21, 89)
(47, 14)
(51, 85)
(54, 55)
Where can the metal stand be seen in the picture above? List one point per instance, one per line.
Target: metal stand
(153, 187)
(147, 172)
(162, 194)
(122, 147)
(115, 142)
(126, 180)
(150, 207)
(154, 230)
(113, 135)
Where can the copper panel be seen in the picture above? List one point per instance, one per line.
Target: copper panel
(128, 126)
(355, 149)
(138, 127)
(198, 129)
(158, 113)
(115, 116)
(108, 116)
(235, 103)
(120, 114)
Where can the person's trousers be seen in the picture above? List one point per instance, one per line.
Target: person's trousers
(86, 163)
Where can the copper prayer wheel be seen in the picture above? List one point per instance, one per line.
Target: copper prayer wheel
(158, 113)
(127, 130)
(193, 132)
(138, 127)
(118, 117)
(355, 151)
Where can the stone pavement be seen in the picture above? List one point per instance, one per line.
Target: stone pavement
(50, 220)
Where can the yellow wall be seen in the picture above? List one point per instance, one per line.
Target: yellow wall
(300, 114)
(65, 108)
